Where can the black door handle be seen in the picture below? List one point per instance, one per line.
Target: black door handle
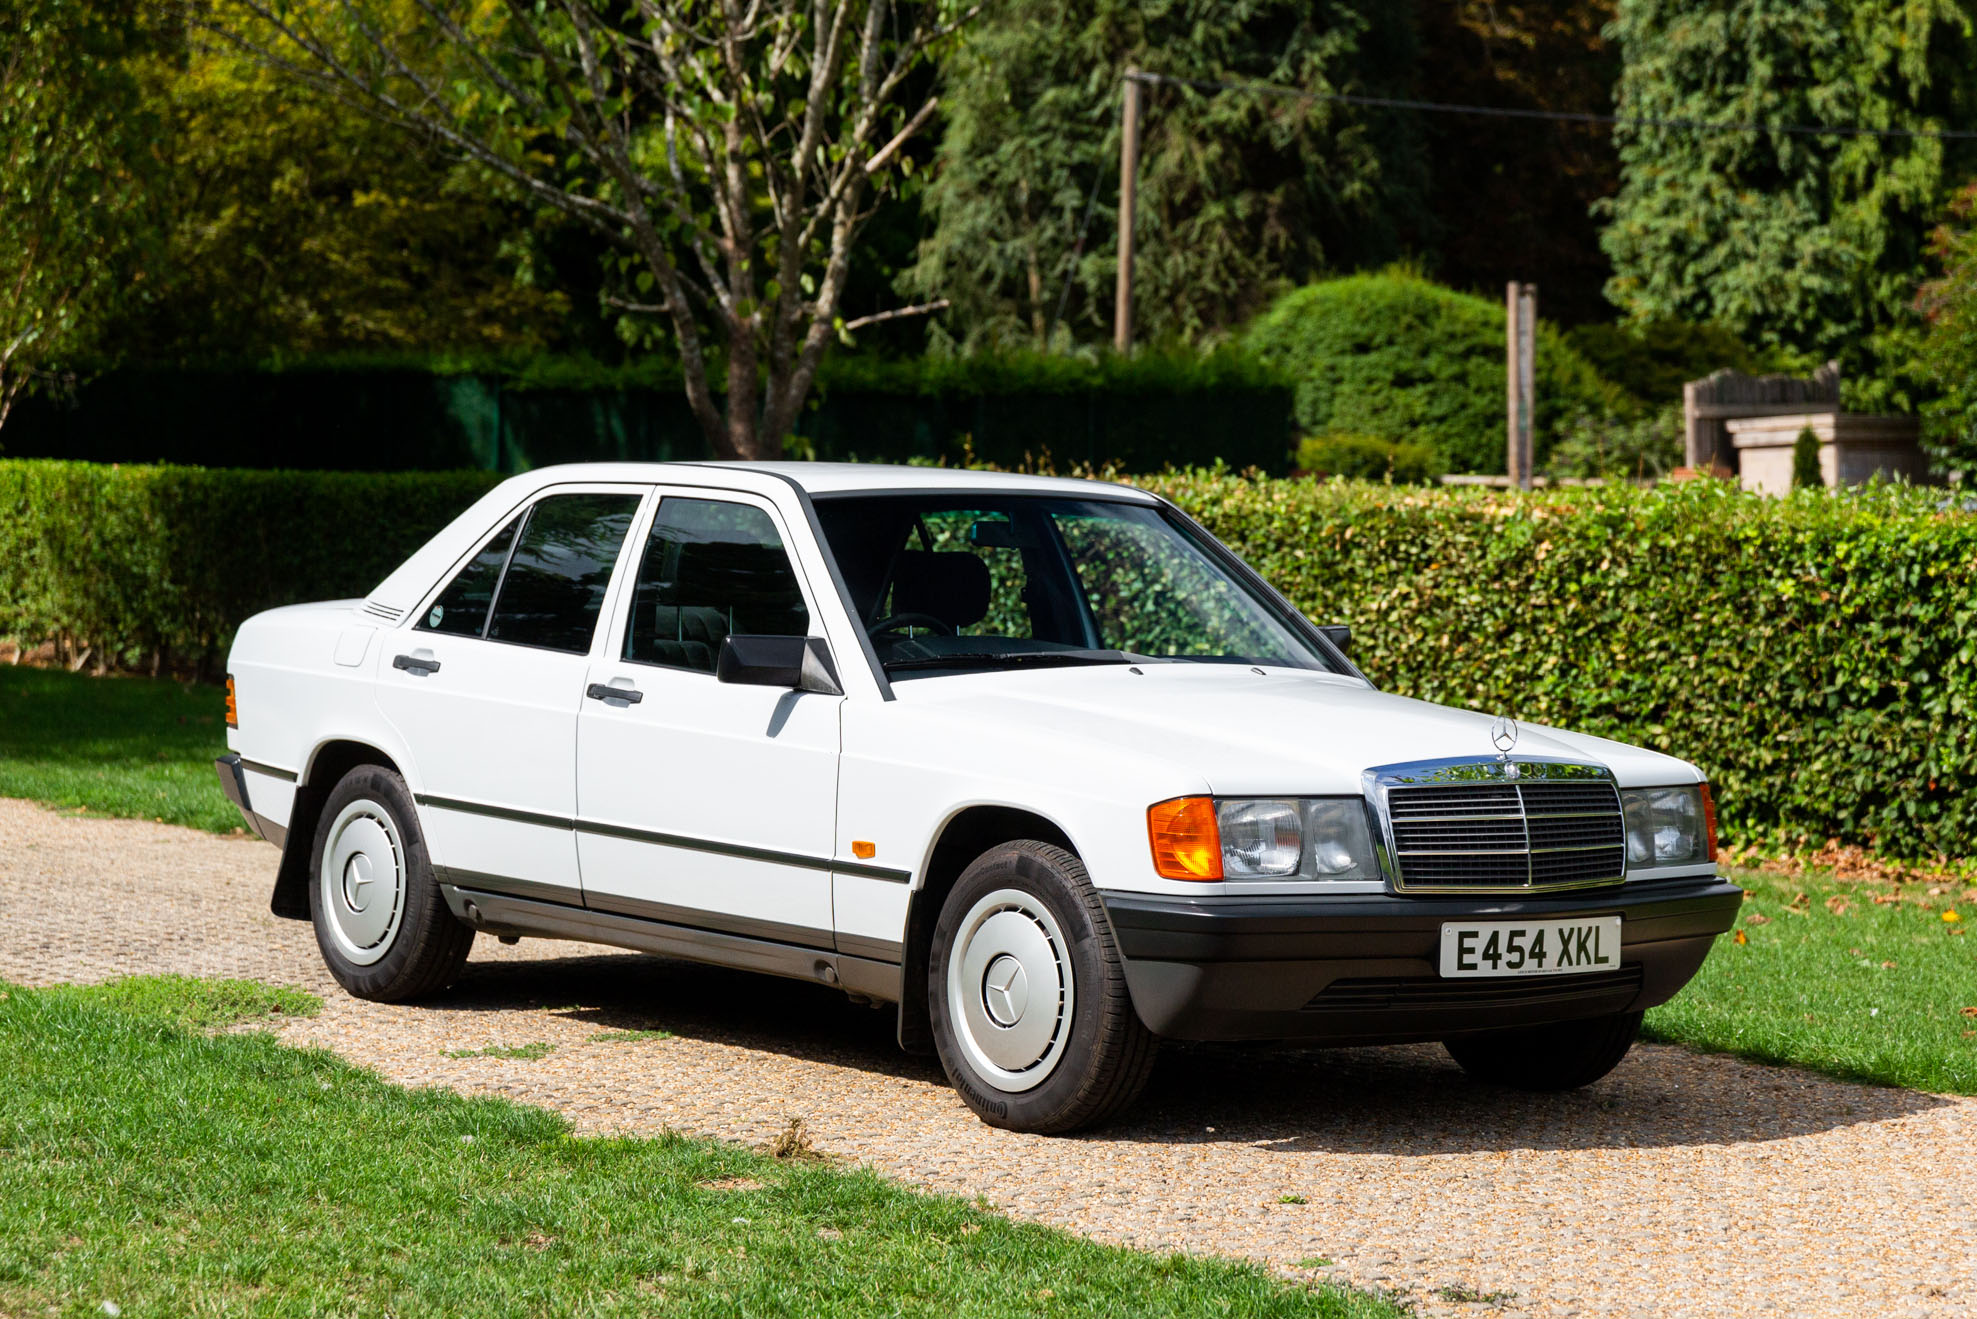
(414, 665)
(597, 691)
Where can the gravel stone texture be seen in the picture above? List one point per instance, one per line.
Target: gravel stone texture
(1680, 1185)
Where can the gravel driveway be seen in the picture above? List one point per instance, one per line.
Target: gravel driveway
(1681, 1185)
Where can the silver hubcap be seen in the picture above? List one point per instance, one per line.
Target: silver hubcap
(363, 881)
(1010, 990)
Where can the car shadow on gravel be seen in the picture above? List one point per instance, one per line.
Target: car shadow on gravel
(632, 991)
(1402, 1099)
(1413, 1099)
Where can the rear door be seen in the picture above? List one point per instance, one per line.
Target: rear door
(485, 686)
(708, 804)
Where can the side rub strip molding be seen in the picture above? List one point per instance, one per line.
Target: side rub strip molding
(855, 868)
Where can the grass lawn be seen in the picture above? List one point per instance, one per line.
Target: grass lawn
(163, 1170)
(1832, 979)
(140, 748)
(1809, 988)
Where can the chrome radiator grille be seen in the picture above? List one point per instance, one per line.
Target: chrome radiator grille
(1507, 835)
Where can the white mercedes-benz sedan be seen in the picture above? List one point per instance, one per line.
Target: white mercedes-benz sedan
(1039, 761)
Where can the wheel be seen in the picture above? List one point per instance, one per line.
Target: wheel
(1027, 993)
(381, 922)
(1562, 1056)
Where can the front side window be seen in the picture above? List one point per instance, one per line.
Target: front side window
(944, 584)
(710, 569)
(554, 587)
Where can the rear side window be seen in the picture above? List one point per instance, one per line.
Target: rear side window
(710, 568)
(461, 609)
(554, 587)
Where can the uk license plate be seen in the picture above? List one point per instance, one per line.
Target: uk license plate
(1530, 948)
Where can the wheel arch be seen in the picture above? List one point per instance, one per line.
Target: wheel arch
(963, 836)
(325, 767)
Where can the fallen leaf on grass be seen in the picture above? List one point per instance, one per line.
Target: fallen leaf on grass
(1970, 1012)
(1951, 917)
(1887, 966)
(1839, 904)
(731, 1184)
(1757, 918)
(1742, 938)
(1883, 899)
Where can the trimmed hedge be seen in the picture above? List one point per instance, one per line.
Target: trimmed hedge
(1817, 655)
(1139, 414)
(1398, 357)
(143, 561)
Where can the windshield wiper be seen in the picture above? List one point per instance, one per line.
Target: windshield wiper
(979, 659)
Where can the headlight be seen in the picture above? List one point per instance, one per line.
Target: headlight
(1247, 838)
(1669, 826)
(1260, 839)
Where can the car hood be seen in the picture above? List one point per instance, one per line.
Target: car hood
(1245, 730)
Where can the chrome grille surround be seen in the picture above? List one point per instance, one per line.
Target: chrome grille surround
(1521, 825)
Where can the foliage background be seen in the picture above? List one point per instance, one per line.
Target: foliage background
(1240, 195)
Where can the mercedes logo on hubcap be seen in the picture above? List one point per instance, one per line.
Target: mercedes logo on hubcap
(356, 876)
(1005, 990)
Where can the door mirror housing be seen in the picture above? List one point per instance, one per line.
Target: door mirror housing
(1339, 635)
(801, 663)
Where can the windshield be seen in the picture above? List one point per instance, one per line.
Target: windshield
(948, 583)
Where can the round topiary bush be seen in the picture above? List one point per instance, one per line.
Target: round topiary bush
(1396, 356)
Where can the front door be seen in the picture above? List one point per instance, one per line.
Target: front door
(485, 685)
(704, 803)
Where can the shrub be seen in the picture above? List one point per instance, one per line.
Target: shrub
(1395, 356)
(1620, 449)
(1818, 657)
(1805, 462)
(1367, 458)
(137, 561)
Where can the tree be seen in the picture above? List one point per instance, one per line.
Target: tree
(1241, 195)
(1512, 198)
(289, 225)
(734, 151)
(1948, 356)
(1808, 243)
(75, 152)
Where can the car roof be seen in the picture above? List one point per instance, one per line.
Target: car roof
(832, 478)
(410, 581)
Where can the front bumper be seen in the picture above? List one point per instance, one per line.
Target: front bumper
(233, 782)
(1363, 968)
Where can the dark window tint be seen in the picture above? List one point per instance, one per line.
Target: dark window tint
(562, 564)
(710, 569)
(462, 607)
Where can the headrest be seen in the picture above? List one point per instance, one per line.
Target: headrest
(953, 586)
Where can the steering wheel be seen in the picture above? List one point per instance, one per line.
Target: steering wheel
(897, 621)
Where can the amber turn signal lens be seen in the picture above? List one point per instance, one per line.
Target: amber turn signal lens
(864, 851)
(1186, 842)
(1709, 820)
(233, 709)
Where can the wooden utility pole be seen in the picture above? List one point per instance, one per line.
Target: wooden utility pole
(1129, 159)
(1521, 343)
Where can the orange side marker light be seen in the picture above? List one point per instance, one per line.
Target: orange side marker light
(864, 851)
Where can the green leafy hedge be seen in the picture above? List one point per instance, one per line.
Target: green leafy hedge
(136, 561)
(1817, 655)
(1395, 356)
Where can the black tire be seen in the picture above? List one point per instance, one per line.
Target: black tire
(423, 946)
(1562, 1056)
(1100, 1054)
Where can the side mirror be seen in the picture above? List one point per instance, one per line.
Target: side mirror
(802, 663)
(1339, 635)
